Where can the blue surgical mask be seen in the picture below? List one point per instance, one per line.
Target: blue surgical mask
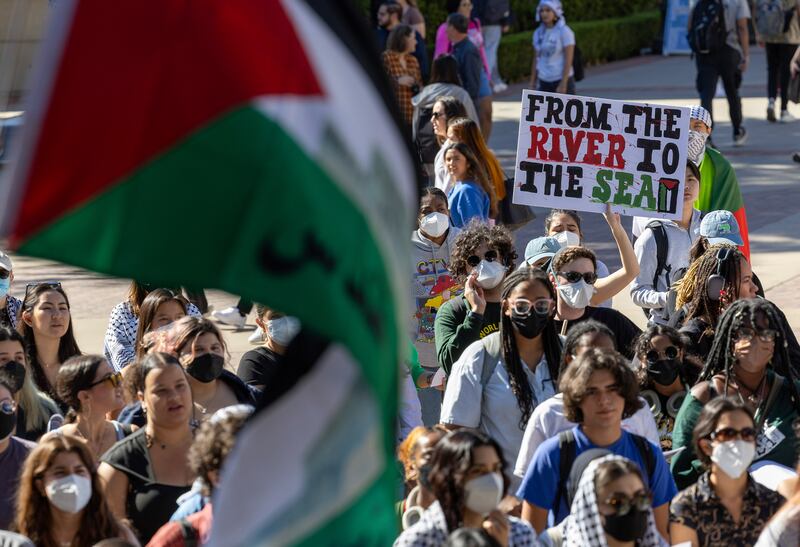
(4, 285)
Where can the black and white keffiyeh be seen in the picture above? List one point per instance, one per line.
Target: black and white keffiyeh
(584, 526)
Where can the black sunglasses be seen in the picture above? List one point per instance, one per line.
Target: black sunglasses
(52, 285)
(474, 260)
(622, 504)
(670, 352)
(574, 277)
(728, 434)
(115, 379)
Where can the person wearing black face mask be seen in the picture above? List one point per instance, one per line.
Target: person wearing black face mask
(13, 450)
(665, 372)
(612, 503)
(499, 380)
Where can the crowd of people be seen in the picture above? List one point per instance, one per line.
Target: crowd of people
(558, 421)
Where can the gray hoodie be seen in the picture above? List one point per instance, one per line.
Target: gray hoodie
(680, 242)
(431, 286)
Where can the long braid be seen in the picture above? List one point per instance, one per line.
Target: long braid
(551, 344)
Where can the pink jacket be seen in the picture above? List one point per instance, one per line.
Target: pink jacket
(443, 45)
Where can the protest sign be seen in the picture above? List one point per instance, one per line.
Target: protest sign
(583, 152)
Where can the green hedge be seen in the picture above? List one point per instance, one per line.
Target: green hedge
(600, 41)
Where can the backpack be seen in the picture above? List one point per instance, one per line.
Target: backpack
(708, 31)
(427, 145)
(662, 249)
(771, 20)
(577, 64)
(567, 453)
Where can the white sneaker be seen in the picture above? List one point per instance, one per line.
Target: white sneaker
(229, 316)
(257, 337)
(787, 116)
(499, 87)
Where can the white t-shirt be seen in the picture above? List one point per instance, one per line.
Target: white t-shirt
(549, 44)
(492, 409)
(548, 420)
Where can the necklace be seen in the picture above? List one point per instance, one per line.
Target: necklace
(756, 394)
(95, 446)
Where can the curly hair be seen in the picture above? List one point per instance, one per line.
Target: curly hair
(214, 441)
(709, 418)
(517, 377)
(474, 235)
(743, 313)
(450, 463)
(34, 518)
(692, 290)
(568, 254)
(690, 367)
(575, 381)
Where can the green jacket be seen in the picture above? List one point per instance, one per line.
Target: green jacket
(456, 329)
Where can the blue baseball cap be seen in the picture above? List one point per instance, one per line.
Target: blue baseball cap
(541, 247)
(721, 227)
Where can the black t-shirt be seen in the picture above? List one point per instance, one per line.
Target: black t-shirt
(625, 331)
(259, 366)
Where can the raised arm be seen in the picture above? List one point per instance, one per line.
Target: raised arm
(609, 286)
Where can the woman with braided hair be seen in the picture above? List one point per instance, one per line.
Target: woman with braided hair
(750, 362)
(498, 380)
(719, 277)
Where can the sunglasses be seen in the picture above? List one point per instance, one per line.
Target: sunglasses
(523, 306)
(574, 277)
(474, 260)
(670, 352)
(437, 115)
(52, 285)
(765, 335)
(4, 274)
(728, 434)
(623, 504)
(115, 379)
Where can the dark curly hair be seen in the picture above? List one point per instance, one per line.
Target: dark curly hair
(473, 236)
(574, 382)
(708, 419)
(690, 366)
(568, 254)
(450, 462)
(214, 440)
(517, 377)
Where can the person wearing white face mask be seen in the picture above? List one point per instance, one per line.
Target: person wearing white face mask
(466, 476)
(480, 258)
(60, 498)
(573, 273)
(258, 366)
(565, 226)
(725, 505)
(9, 306)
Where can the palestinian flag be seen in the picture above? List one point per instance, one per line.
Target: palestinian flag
(719, 191)
(251, 146)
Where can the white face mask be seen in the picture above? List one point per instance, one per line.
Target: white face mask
(70, 493)
(567, 238)
(434, 224)
(576, 295)
(483, 494)
(697, 146)
(490, 274)
(734, 457)
(283, 330)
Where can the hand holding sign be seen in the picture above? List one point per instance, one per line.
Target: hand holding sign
(583, 153)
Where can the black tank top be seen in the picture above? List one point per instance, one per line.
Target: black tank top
(149, 504)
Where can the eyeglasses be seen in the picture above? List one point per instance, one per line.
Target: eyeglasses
(765, 335)
(490, 256)
(7, 407)
(4, 274)
(623, 504)
(541, 306)
(574, 277)
(52, 285)
(728, 434)
(670, 352)
(114, 379)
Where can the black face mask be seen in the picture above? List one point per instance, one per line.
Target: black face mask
(531, 325)
(664, 371)
(15, 372)
(423, 474)
(628, 527)
(7, 424)
(206, 368)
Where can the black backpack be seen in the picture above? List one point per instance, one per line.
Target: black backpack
(577, 64)
(427, 144)
(662, 268)
(708, 31)
(567, 454)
